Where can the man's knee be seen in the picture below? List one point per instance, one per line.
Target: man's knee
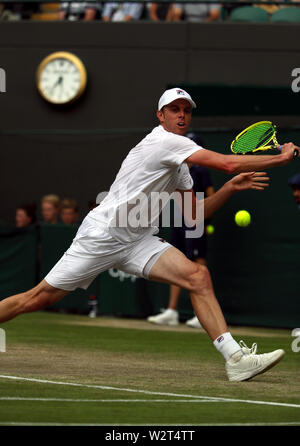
(200, 279)
(40, 297)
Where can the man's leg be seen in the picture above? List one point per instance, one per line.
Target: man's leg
(174, 268)
(170, 316)
(38, 298)
(241, 364)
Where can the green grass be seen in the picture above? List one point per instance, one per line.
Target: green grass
(164, 363)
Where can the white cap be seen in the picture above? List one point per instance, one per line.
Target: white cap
(173, 94)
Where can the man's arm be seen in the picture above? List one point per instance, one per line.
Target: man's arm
(208, 206)
(243, 181)
(241, 163)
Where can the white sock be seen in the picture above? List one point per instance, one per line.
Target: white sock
(226, 345)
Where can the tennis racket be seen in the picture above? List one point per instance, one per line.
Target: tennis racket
(257, 137)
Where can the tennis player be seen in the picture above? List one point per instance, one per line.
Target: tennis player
(157, 164)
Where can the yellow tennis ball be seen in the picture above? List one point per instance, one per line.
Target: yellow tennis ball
(242, 218)
(210, 229)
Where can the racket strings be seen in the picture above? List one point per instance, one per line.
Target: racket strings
(254, 138)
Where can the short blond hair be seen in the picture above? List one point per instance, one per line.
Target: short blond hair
(51, 198)
(69, 203)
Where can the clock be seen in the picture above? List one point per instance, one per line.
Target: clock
(61, 78)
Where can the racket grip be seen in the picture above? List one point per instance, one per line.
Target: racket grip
(296, 151)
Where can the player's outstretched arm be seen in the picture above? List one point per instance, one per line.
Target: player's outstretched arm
(242, 163)
(207, 207)
(243, 181)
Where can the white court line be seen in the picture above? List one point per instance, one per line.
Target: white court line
(107, 400)
(148, 392)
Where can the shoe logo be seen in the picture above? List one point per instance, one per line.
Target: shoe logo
(220, 339)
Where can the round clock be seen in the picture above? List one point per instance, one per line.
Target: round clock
(61, 78)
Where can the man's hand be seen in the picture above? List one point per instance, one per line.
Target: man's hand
(288, 150)
(250, 180)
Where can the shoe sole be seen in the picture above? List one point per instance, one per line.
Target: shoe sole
(261, 371)
(171, 324)
(193, 326)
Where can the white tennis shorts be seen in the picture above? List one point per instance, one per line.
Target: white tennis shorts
(94, 250)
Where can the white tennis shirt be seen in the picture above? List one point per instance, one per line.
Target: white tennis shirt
(152, 170)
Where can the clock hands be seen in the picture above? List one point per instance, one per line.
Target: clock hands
(58, 82)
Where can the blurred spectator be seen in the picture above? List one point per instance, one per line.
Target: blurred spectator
(18, 11)
(197, 12)
(269, 8)
(162, 12)
(25, 215)
(50, 205)
(294, 183)
(273, 8)
(122, 12)
(69, 212)
(80, 11)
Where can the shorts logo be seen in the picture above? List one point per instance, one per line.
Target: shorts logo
(162, 240)
(220, 339)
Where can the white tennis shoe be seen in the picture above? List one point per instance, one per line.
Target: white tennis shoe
(194, 322)
(246, 364)
(246, 350)
(167, 317)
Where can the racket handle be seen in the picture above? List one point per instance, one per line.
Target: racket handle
(296, 151)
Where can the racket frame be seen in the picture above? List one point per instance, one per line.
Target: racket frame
(264, 146)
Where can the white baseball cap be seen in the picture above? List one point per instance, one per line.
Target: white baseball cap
(173, 94)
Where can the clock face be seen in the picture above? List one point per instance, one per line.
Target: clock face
(61, 78)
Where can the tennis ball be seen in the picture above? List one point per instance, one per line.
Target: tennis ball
(242, 218)
(210, 229)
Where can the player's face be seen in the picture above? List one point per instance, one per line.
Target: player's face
(176, 116)
(296, 193)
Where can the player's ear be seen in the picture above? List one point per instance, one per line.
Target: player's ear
(159, 115)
